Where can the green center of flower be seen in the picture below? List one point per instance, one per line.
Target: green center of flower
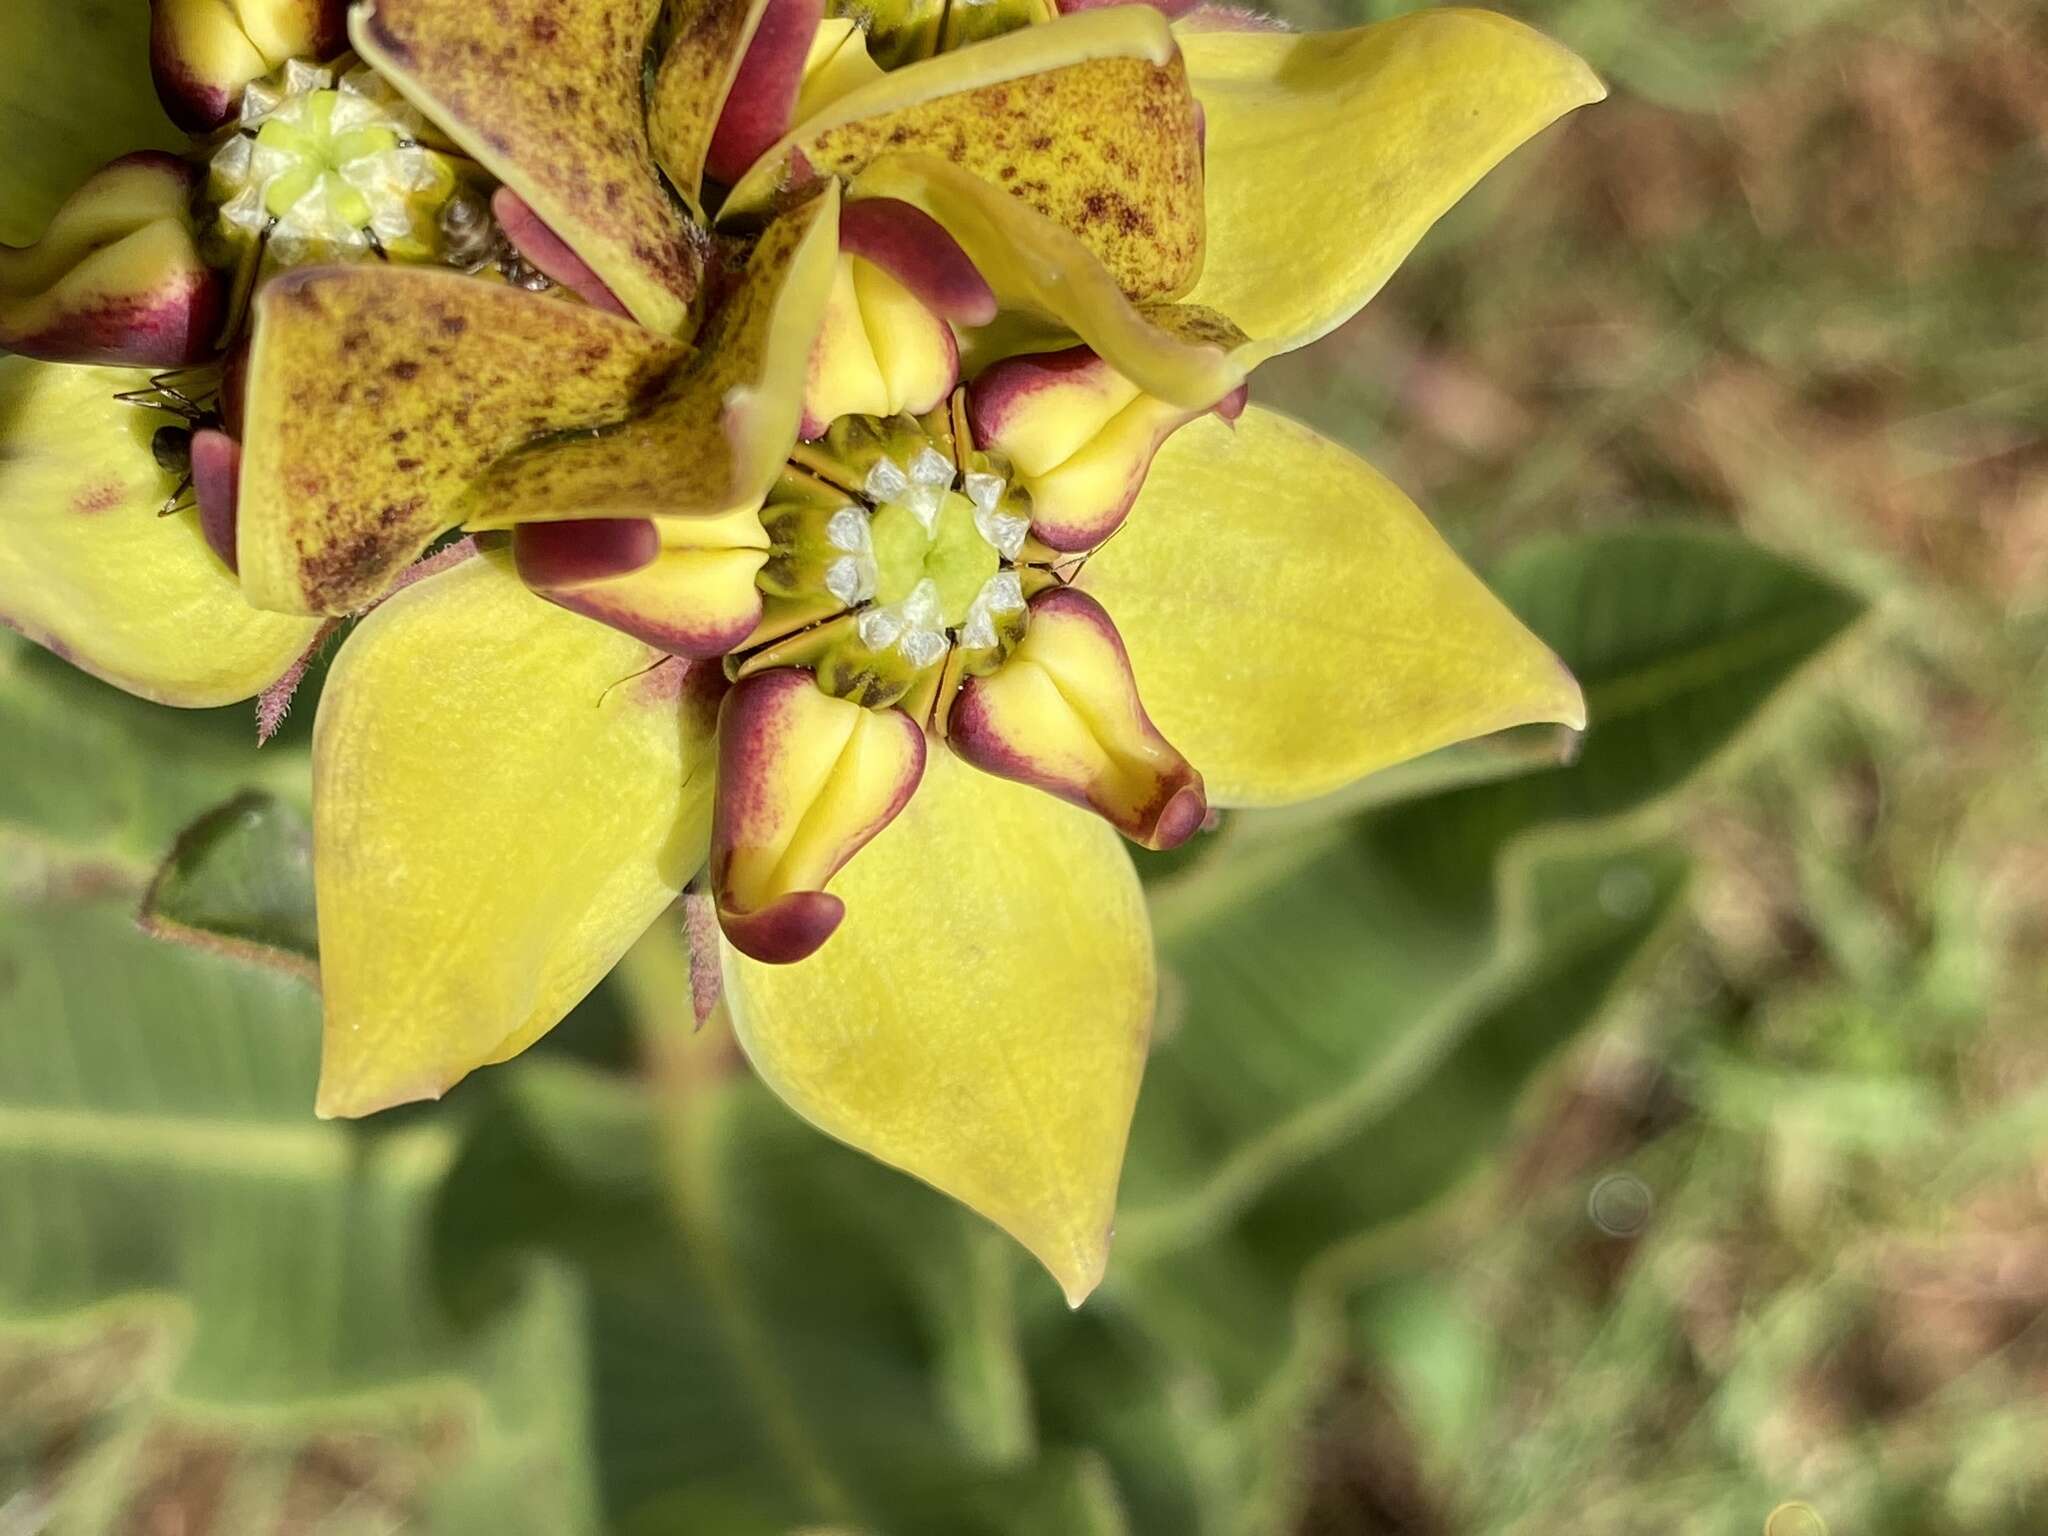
(894, 546)
(322, 170)
(942, 546)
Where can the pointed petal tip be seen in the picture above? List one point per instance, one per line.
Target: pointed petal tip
(358, 1096)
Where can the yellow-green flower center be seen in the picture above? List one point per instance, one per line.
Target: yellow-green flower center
(942, 547)
(322, 170)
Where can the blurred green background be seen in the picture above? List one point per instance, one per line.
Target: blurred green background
(1655, 1143)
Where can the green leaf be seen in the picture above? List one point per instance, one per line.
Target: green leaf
(240, 880)
(95, 785)
(215, 1292)
(784, 1333)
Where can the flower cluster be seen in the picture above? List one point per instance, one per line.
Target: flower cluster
(798, 448)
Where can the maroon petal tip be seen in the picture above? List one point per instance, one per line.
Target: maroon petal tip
(785, 931)
(568, 554)
(762, 101)
(549, 252)
(216, 481)
(915, 249)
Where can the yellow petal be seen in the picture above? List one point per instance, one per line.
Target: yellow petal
(879, 351)
(90, 570)
(1041, 270)
(504, 797)
(376, 397)
(718, 433)
(1330, 154)
(546, 94)
(804, 781)
(1087, 120)
(979, 1019)
(1296, 623)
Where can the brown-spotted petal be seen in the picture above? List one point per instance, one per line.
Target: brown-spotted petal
(546, 94)
(202, 53)
(716, 434)
(1088, 121)
(1044, 276)
(684, 585)
(376, 397)
(804, 781)
(879, 352)
(89, 567)
(1063, 714)
(117, 277)
(1079, 434)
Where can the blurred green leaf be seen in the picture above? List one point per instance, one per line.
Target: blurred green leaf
(96, 785)
(222, 1304)
(240, 880)
(784, 1333)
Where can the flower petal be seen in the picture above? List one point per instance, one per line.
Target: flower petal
(376, 397)
(805, 780)
(504, 797)
(1062, 713)
(912, 247)
(1331, 154)
(88, 567)
(1296, 623)
(1088, 120)
(1079, 434)
(879, 351)
(76, 89)
(714, 437)
(707, 45)
(203, 52)
(546, 94)
(1039, 270)
(117, 277)
(980, 1018)
(694, 594)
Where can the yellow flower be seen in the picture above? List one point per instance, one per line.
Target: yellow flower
(827, 550)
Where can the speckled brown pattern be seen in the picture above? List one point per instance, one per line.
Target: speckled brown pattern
(376, 394)
(547, 95)
(706, 41)
(719, 433)
(1107, 147)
